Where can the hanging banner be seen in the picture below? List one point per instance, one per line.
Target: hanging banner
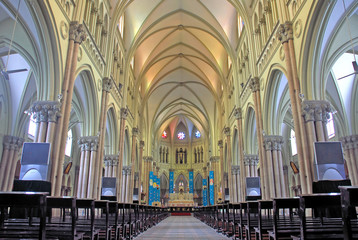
(151, 192)
(191, 182)
(211, 188)
(171, 182)
(205, 192)
(158, 189)
(154, 189)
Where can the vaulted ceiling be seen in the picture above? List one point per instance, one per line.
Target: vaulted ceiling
(182, 53)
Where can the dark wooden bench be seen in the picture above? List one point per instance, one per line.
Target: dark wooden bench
(24, 200)
(86, 217)
(318, 226)
(265, 219)
(349, 202)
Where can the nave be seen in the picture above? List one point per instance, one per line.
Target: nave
(181, 227)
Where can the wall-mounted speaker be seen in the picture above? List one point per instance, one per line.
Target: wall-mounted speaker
(35, 162)
(109, 186)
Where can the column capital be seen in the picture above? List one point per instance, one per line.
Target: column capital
(349, 142)
(227, 131)
(285, 32)
(238, 113)
(254, 84)
(214, 159)
(12, 142)
(107, 84)
(111, 157)
(220, 144)
(141, 144)
(273, 142)
(124, 113)
(77, 32)
(135, 131)
(313, 110)
(46, 111)
(235, 169)
(90, 142)
(148, 158)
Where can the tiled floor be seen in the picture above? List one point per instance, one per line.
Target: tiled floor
(181, 227)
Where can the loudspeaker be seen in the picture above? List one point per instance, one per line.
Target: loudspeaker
(227, 194)
(329, 161)
(35, 161)
(253, 187)
(109, 186)
(135, 194)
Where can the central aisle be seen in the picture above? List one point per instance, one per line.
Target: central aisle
(181, 227)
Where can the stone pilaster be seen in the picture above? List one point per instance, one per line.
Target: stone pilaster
(350, 146)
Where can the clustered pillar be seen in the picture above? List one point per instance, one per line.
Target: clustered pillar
(126, 176)
(315, 114)
(77, 35)
(229, 159)
(86, 177)
(222, 170)
(147, 168)
(111, 164)
(215, 166)
(251, 161)
(235, 172)
(350, 145)
(9, 159)
(133, 158)
(124, 114)
(255, 88)
(238, 116)
(273, 146)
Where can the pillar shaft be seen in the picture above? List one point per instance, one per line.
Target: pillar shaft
(124, 114)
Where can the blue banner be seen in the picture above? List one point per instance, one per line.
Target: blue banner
(151, 192)
(191, 181)
(171, 182)
(205, 192)
(158, 189)
(211, 188)
(155, 182)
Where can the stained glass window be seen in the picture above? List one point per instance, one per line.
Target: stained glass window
(197, 134)
(164, 134)
(181, 135)
(293, 143)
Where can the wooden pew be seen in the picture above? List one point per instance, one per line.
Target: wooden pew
(285, 225)
(29, 200)
(60, 226)
(85, 220)
(349, 202)
(319, 226)
(242, 220)
(252, 219)
(265, 219)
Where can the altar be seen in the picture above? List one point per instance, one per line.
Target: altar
(181, 199)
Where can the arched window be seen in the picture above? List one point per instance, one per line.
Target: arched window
(240, 25)
(181, 135)
(121, 25)
(69, 143)
(32, 127)
(330, 127)
(293, 143)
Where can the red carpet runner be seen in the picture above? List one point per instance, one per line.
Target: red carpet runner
(181, 214)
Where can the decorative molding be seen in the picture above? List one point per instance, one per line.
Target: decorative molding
(45, 111)
(313, 110)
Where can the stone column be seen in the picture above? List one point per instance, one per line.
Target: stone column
(124, 114)
(315, 114)
(255, 88)
(124, 184)
(215, 166)
(285, 35)
(141, 148)
(235, 183)
(76, 36)
(107, 167)
(92, 191)
(274, 158)
(86, 178)
(11, 147)
(129, 185)
(46, 114)
(238, 116)
(107, 84)
(222, 169)
(133, 158)
(147, 168)
(350, 146)
(229, 162)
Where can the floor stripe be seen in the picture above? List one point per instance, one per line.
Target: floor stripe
(181, 227)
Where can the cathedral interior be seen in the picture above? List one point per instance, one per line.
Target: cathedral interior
(186, 97)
